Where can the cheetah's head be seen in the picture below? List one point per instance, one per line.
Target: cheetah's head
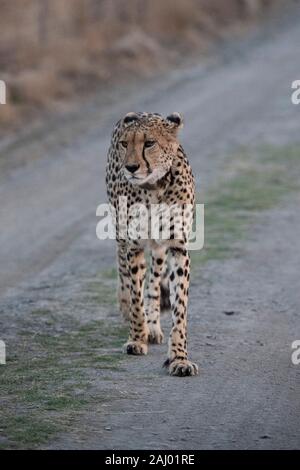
(148, 146)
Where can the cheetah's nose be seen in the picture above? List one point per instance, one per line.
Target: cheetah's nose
(132, 168)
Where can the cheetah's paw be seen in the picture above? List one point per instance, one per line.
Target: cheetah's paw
(135, 347)
(156, 336)
(182, 367)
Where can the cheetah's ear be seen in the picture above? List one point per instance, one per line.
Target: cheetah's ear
(175, 120)
(130, 117)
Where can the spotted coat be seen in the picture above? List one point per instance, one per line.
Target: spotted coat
(147, 166)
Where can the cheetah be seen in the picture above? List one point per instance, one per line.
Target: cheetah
(147, 166)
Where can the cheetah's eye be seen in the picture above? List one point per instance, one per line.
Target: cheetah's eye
(149, 143)
(123, 143)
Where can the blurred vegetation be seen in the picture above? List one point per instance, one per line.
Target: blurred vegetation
(259, 179)
(54, 50)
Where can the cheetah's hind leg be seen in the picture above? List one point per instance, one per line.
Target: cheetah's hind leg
(165, 303)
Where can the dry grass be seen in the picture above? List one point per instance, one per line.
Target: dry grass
(51, 51)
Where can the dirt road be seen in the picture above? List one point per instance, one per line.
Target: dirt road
(244, 307)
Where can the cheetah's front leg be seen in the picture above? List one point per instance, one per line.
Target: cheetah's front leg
(179, 287)
(158, 260)
(124, 286)
(139, 332)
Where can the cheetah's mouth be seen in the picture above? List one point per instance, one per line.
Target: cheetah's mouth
(134, 179)
(150, 179)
